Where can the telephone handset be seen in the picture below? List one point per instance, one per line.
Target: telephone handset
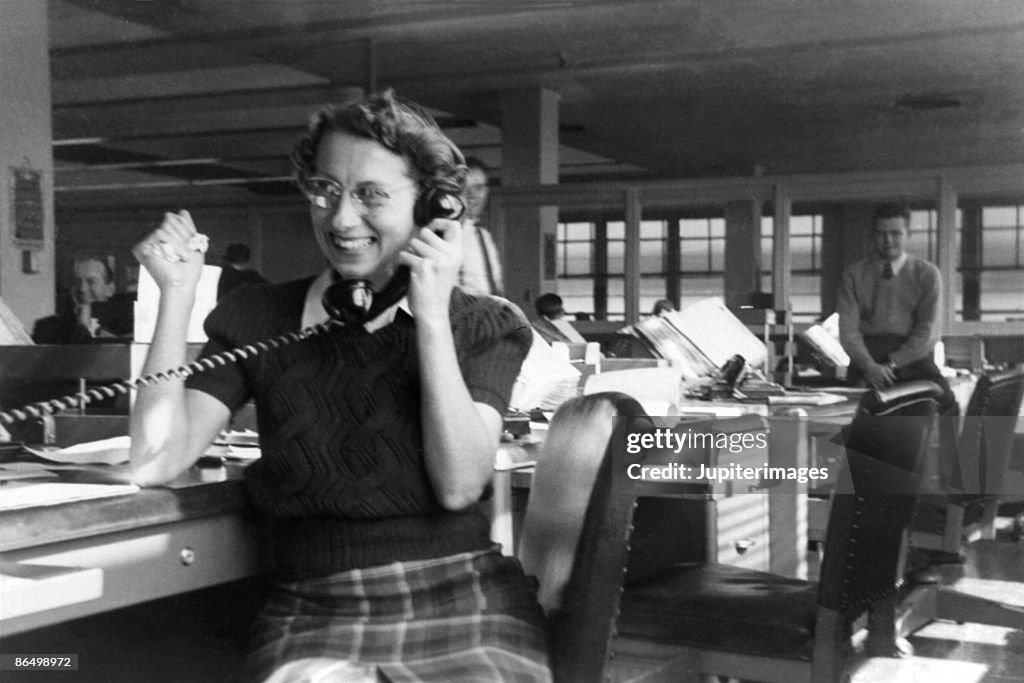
(350, 301)
(354, 302)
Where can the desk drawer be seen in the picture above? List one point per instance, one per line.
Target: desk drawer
(146, 564)
(741, 509)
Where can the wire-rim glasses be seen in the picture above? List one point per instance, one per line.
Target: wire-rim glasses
(326, 194)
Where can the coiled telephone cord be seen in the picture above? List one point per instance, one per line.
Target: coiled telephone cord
(80, 400)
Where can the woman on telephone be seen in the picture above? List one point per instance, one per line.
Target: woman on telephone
(378, 433)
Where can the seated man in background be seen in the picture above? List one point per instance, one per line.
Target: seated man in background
(97, 314)
(663, 306)
(888, 307)
(551, 322)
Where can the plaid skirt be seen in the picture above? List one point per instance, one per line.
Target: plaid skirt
(467, 617)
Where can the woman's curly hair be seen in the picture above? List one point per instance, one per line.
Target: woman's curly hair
(399, 125)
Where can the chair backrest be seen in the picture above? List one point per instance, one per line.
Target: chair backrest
(875, 495)
(986, 438)
(576, 530)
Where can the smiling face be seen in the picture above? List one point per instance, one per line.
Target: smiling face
(90, 283)
(363, 243)
(890, 237)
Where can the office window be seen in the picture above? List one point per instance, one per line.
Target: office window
(1000, 277)
(653, 268)
(805, 244)
(574, 254)
(701, 246)
(1001, 244)
(922, 236)
(575, 249)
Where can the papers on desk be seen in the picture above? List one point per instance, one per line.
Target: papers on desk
(806, 399)
(546, 380)
(112, 451)
(234, 451)
(25, 494)
(236, 445)
(823, 339)
(14, 471)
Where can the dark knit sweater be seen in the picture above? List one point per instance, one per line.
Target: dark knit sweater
(342, 475)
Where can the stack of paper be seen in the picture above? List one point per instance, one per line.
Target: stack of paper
(148, 302)
(546, 380)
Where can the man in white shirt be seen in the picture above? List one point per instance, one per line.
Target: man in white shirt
(481, 265)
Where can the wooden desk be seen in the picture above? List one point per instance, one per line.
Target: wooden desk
(759, 525)
(789, 430)
(140, 546)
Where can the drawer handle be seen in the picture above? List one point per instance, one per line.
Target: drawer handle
(743, 545)
(187, 556)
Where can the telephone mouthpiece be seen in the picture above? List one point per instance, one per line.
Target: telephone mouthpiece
(349, 300)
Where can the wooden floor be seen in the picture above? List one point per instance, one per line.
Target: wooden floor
(196, 638)
(946, 652)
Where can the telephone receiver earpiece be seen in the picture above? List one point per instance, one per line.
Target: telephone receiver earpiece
(437, 204)
(353, 301)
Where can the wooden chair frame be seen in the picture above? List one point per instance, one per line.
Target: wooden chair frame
(580, 553)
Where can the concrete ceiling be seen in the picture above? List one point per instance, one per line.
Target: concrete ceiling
(149, 94)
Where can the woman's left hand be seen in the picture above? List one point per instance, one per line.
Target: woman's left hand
(434, 258)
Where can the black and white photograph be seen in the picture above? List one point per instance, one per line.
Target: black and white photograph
(520, 341)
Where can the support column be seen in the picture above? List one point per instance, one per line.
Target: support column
(27, 278)
(832, 258)
(945, 255)
(742, 252)
(970, 261)
(529, 150)
(782, 255)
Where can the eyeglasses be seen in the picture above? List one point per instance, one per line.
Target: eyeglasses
(324, 193)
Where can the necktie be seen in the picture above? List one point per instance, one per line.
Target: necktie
(887, 271)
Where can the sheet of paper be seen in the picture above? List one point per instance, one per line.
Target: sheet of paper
(234, 452)
(113, 451)
(148, 300)
(24, 494)
(806, 399)
(717, 333)
(24, 470)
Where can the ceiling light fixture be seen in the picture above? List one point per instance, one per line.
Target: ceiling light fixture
(71, 142)
(929, 102)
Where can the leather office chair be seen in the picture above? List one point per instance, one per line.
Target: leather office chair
(575, 531)
(977, 467)
(983, 450)
(579, 526)
(686, 622)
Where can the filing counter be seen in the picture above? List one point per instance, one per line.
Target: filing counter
(64, 561)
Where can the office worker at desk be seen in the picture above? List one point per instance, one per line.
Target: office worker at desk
(888, 308)
(96, 313)
(377, 439)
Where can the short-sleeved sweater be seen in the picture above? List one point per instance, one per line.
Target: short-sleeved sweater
(342, 476)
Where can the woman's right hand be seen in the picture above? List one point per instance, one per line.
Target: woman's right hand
(171, 254)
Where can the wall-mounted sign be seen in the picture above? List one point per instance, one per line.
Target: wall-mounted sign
(27, 206)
